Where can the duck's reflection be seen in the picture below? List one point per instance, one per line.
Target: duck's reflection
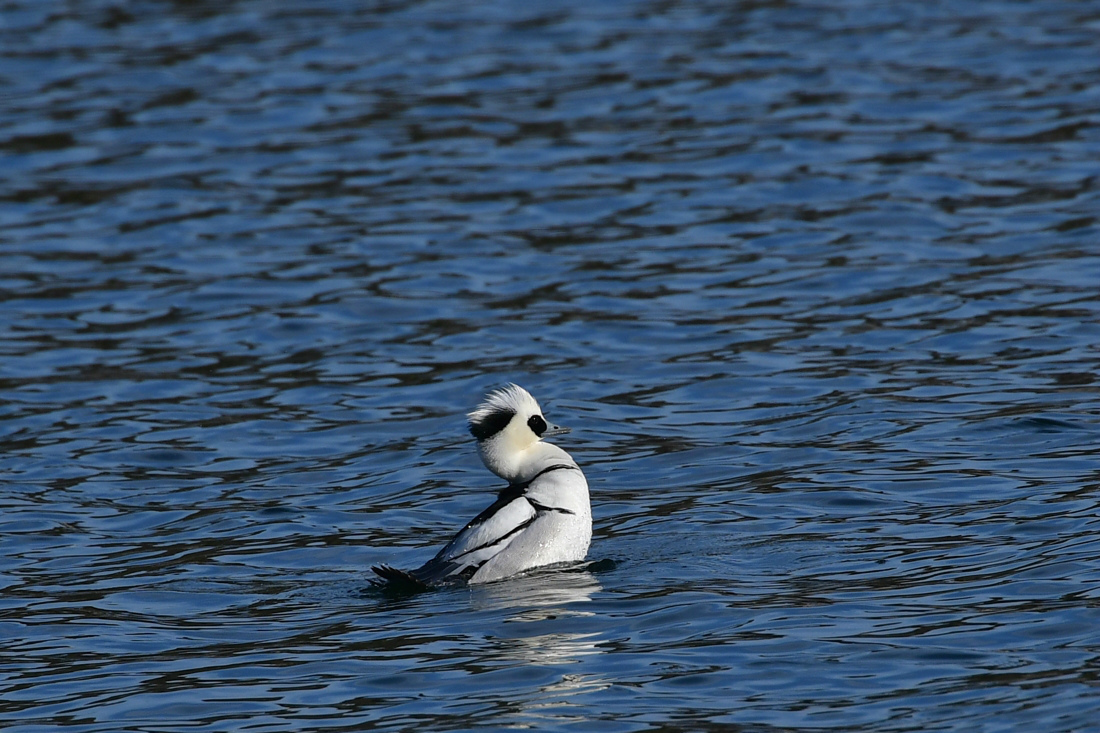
(545, 625)
(539, 590)
(536, 638)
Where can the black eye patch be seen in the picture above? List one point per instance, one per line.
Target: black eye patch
(491, 424)
(537, 425)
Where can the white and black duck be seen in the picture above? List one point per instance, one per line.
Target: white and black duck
(543, 517)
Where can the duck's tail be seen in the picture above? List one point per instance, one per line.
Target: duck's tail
(399, 580)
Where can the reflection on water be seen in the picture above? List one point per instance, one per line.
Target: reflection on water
(539, 603)
(815, 284)
(538, 595)
(540, 609)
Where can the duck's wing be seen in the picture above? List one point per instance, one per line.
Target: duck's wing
(487, 534)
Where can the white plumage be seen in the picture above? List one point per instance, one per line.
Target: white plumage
(542, 517)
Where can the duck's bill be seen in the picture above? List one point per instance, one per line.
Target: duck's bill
(554, 430)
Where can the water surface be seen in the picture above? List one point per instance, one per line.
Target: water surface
(816, 286)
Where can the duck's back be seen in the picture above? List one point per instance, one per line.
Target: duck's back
(543, 521)
(559, 532)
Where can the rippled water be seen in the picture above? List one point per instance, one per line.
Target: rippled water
(817, 285)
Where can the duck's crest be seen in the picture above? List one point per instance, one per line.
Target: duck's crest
(499, 407)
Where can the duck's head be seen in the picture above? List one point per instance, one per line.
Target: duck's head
(509, 428)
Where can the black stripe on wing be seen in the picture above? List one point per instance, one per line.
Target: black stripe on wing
(451, 570)
(544, 508)
(518, 528)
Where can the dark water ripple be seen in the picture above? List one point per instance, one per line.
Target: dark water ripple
(815, 284)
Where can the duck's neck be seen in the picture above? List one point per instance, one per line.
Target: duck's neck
(516, 467)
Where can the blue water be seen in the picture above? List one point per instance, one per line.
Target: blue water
(816, 285)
